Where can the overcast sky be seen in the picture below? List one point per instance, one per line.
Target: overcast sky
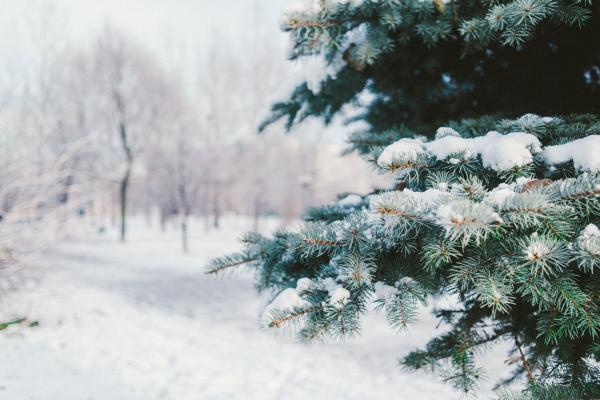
(156, 23)
(180, 28)
(190, 21)
(150, 17)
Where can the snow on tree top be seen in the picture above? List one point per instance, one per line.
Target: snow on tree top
(497, 151)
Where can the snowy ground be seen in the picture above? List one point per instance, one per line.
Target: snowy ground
(140, 321)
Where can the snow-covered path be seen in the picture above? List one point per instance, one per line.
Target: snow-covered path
(140, 321)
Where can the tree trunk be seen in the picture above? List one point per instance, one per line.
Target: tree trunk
(216, 218)
(163, 219)
(125, 181)
(63, 196)
(257, 212)
(255, 221)
(216, 208)
(206, 218)
(123, 202)
(184, 234)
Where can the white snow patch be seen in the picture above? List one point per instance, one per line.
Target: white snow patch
(445, 131)
(419, 201)
(141, 321)
(498, 195)
(503, 152)
(350, 200)
(585, 153)
(286, 300)
(407, 280)
(384, 291)
(339, 297)
(304, 6)
(294, 7)
(536, 250)
(430, 196)
(499, 152)
(451, 144)
(458, 213)
(523, 180)
(316, 69)
(589, 240)
(303, 285)
(590, 231)
(404, 149)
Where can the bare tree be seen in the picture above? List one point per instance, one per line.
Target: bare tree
(130, 82)
(38, 148)
(172, 162)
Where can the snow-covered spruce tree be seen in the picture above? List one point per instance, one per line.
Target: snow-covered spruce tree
(499, 214)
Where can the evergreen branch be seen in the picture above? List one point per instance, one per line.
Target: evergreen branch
(315, 331)
(226, 263)
(292, 315)
(390, 211)
(576, 196)
(297, 23)
(524, 360)
(321, 242)
(405, 165)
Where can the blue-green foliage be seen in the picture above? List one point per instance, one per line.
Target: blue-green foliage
(520, 268)
(517, 249)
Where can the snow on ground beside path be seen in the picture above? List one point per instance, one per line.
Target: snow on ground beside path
(140, 321)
